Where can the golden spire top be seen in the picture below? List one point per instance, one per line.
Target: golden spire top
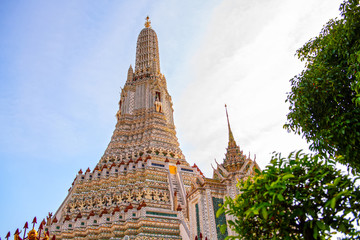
(231, 137)
(147, 23)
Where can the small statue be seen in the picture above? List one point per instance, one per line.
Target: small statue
(48, 219)
(118, 115)
(46, 236)
(101, 203)
(148, 194)
(156, 196)
(157, 104)
(97, 203)
(81, 205)
(32, 235)
(129, 197)
(89, 203)
(138, 196)
(165, 197)
(118, 199)
(16, 235)
(72, 207)
(110, 200)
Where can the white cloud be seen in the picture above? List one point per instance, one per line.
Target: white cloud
(246, 61)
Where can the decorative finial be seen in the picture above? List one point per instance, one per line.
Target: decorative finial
(147, 23)
(231, 137)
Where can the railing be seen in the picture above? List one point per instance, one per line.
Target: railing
(185, 223)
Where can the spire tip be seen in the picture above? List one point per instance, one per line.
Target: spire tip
(231, 137)
(147, 23)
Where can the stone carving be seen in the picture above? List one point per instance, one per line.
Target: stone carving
(165, 197)
(156, 195)
(81, 205)
(97, 203)
(118, 199)
(89, 203)
(118, 114)
(72, 207)
(148, 194)
(128, 196)
(106, 201)
(139, 196)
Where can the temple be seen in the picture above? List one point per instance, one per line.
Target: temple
(143, 187)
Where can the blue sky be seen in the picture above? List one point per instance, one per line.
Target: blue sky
(62, 64)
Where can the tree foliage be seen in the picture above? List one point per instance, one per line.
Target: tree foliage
(301, 197)
(325, 97)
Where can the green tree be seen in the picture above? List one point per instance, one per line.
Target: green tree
(325, 97)
(301, 197)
